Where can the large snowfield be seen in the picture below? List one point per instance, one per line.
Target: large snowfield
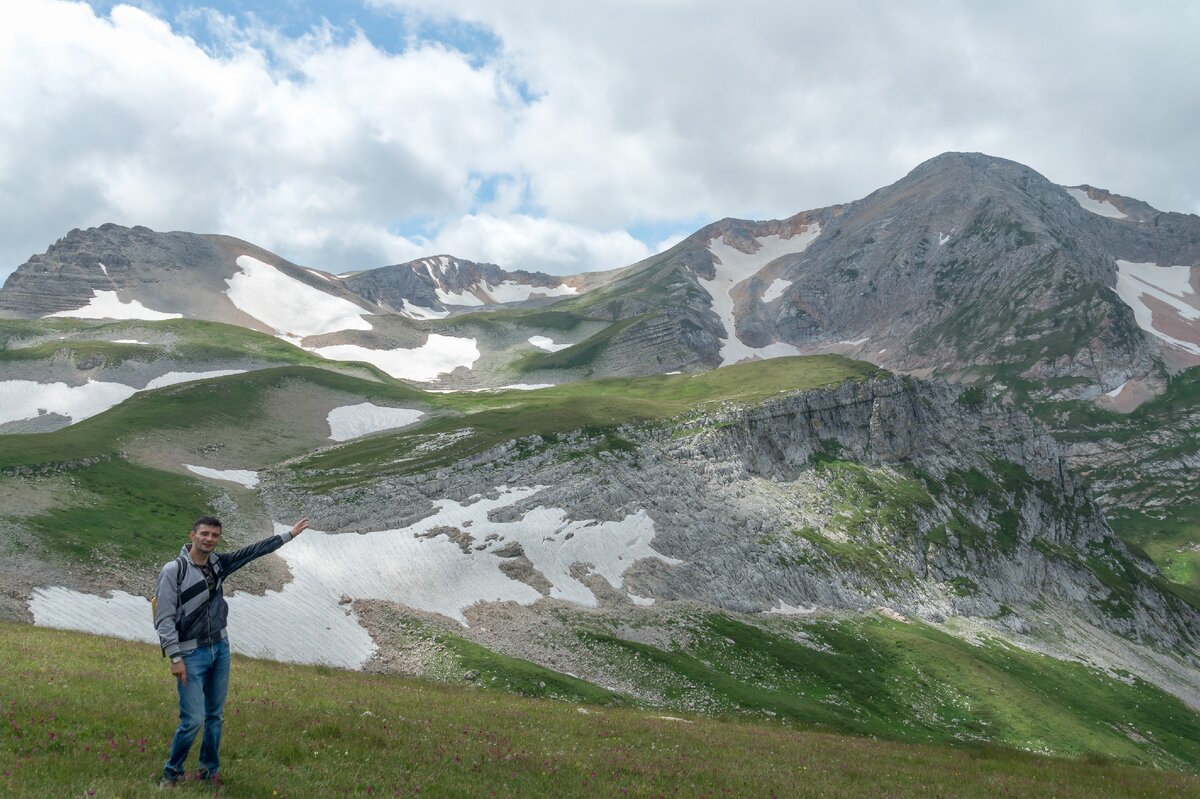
(416, 566)
(289, 306)
(733, 267)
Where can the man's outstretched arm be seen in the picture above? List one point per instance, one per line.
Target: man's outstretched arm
(235, 560)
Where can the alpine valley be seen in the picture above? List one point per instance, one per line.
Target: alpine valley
(920, 466)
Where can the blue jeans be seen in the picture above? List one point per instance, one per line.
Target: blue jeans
(202, 700)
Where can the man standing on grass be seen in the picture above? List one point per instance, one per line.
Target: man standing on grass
(190, 615)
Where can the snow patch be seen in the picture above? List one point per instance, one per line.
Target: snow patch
(547, 344)
(106, 305)
(413, 566)
(324, 277)
(1170, 285)
(732, 267)
(776, 289)
(119, 614)
(103, 268)
(858, 342)
(509, 387)
(173, 378)
(512, 291)
(287, 305)
(439, 355)
(352, 421)
(1101, 207)
(1116, 390)
(131, 341)
(244, 477)
(459, 298)
(943, 238)
(420, 312)
(26, 399)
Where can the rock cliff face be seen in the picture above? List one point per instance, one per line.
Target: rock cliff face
(109, 258)
(890, 493)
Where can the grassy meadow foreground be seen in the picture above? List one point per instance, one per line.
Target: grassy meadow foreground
(88, 716)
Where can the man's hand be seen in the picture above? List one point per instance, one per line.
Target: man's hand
(299, 527)
(180, 671)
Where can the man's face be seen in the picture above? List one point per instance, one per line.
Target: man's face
(205, 538)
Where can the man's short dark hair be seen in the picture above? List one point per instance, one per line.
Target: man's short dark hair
(206, 521)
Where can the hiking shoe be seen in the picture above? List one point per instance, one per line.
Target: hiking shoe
(168, 783)
(212, 779)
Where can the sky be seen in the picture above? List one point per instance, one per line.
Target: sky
(559, 135)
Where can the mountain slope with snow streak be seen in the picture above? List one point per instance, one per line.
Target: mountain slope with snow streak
(1164, 301)
(733, 267)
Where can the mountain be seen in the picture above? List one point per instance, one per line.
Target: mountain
(433, 288)
(970, 267)
(673, 506)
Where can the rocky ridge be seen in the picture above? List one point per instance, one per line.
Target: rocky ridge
(889, 493)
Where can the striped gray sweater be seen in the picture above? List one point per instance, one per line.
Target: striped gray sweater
(187, 614)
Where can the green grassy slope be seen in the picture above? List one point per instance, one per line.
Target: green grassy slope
(129, 497)
(486, 420)
(235, 401)
(910, 682)
(88, 716)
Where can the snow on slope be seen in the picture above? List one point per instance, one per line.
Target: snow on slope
(1169, 285)
(1099, 207)
(776, 289)
(412, 566)
(352, 421)
(437, 356)
(419, 312)
(732, 268)
(547, 344)
(243, 477)
(106, 305)
(512, 291)
(25, 399)
(288, 306)
(507, 291)
(465, 298)
(174, 378)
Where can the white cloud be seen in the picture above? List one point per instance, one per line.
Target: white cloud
(545, 245)
(337, 154)
(764, 109)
